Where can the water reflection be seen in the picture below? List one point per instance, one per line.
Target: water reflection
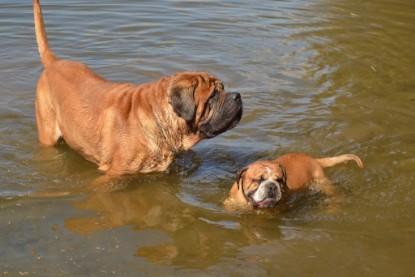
(195, 237)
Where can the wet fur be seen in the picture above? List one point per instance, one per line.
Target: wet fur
(302, 172)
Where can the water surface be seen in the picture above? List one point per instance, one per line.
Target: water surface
(320, 77)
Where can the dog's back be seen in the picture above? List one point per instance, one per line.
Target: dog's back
(302, 169)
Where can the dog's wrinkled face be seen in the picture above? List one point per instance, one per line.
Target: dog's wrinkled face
(261, 183)
(201, 100)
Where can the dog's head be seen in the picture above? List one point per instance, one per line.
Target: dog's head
(200, 99)
(260, 185)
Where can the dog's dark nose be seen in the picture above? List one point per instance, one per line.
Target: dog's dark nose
(271, 190)
(236, 96)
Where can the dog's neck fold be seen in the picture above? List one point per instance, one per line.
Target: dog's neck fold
(171, 129)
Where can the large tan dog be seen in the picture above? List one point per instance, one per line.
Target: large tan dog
(127, 128)
(263, 184)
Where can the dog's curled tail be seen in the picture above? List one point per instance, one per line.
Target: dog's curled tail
(327, 162)
(46, 54)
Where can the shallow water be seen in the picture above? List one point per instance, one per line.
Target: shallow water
(320, 77)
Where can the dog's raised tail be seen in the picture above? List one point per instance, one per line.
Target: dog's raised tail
(46, 55)
(327, 162)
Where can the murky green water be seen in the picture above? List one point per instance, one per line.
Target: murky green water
(321, 77)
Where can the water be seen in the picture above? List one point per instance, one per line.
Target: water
(320, 77)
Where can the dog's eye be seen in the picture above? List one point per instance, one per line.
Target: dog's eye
(258, 180)
(280, 180)
(214, 95)
(261, 179)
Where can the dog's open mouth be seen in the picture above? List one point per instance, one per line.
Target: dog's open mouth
(265, 203)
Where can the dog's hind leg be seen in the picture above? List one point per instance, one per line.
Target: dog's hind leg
(323, 185)
(47, 124)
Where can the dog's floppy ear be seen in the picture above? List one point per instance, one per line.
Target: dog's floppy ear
(284, 173)
(182, 99)
(239, 177)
